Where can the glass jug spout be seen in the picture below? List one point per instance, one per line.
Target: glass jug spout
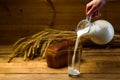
(84, 26)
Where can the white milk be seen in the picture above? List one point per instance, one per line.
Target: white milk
(72, 70)
(101, 32)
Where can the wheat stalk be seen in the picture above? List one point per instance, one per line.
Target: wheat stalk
(36, 45)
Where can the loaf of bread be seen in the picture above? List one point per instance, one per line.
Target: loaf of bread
(57, 54)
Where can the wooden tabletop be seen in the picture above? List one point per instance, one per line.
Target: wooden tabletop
(97, 64)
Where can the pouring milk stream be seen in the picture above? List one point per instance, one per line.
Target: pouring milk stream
(100, 32)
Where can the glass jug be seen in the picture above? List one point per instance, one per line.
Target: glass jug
(100, 31)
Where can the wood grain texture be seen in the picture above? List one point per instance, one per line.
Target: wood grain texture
(102, 61)
(97, 64)
(58, 76)
(25, 17)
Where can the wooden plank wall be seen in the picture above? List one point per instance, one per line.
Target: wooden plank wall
(19, 18)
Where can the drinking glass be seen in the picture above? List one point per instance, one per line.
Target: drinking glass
(74, 69)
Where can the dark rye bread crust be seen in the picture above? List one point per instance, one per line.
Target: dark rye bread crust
(57, 54)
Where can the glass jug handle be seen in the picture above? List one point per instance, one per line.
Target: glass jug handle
(88, 18)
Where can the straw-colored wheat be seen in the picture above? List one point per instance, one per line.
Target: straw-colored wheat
(36, 45)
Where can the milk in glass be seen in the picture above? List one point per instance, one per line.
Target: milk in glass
(71, 69)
